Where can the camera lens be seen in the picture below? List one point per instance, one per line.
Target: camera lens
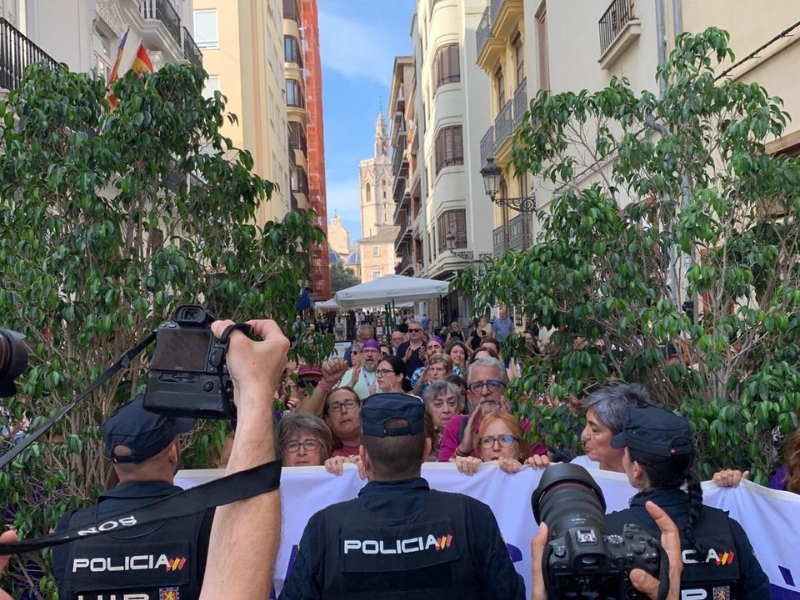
(13, 360)
(568, 497)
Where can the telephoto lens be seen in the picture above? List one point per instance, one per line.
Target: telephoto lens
(13, 360)
(581, 561)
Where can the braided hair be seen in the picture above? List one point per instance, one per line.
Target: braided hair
(675, 472)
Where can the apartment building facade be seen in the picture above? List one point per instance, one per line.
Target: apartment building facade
(302, 96)
(242, 42)
(525, 47)
(450, 230)
(85, 34)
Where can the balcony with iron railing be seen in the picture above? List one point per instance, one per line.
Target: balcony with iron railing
(399, 159)
(164, 12)
(484, 31)
(297, 138)
(503, 125)
(404, 222)
(520, 103)
(191, 51)
(487, 145)
(619, 27)
(17, 52)
(291, 11)
(499, 243)
(519, 232)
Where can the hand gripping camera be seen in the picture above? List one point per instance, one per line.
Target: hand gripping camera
(582, 560)
(188, 374)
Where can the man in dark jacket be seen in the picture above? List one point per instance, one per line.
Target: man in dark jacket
(399, 538)
(163, 560)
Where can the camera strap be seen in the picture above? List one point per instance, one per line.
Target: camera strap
(232, 488)
(122, 362)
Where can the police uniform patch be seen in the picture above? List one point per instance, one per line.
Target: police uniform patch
(721, 593)
(170, 593)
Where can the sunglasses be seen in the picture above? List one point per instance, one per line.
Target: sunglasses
(414, 329)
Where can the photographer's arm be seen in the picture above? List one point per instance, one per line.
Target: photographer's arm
(245, 534)
(670, 541)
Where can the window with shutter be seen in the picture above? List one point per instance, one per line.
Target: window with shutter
(449, 147)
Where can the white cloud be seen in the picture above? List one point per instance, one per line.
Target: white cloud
(344, 199)
(356, 50)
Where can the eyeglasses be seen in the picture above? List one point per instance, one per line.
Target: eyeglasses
(439, 403)
(370, 351)
(294, 446)
(476, 387)
(336, 407)
(506, 440)
(414, 329)
(384, 372)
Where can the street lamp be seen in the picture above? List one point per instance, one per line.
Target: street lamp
(450, 240)
(491, 183)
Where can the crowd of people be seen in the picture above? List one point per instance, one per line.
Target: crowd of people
(388, 408)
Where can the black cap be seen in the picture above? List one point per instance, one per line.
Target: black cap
(656, 431)
(145, 433)
(380, 408)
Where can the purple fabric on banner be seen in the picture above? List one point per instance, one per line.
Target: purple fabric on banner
(778, 481)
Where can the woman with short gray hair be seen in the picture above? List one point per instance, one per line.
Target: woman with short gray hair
(304, 440)
(606, 412)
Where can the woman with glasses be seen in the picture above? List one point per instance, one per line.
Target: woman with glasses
(443, 401)
(304, 440)
(391, 375)
(342, 413)
(499, 438)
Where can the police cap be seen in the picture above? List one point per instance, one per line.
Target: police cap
(656, 431)
(378, 410)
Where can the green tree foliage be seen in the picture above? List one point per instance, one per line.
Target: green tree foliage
(689, 207)
(108, 221)
(342, 278)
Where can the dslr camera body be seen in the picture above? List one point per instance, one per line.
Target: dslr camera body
(188, 373)
(582, 560)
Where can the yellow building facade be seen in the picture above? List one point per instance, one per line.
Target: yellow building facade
(243, 53)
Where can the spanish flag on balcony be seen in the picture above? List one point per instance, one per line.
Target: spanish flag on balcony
(141, 62)
(115, 69)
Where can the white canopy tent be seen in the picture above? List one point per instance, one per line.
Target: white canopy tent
(390, 288)
(327, 305)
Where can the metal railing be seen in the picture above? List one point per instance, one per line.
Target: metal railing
(503, 125)
(17, 52)
(405, 263)
(519, 232)
(487, 145)
(403, 222)
(398, 153)
(613, 21)
(499, 240)
(291, 10)
(484, 31)
(297, 138)
(162, 10)
(520, 102)
(496, 6)
(191, 52)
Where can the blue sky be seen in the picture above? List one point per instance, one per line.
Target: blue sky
(359, 40)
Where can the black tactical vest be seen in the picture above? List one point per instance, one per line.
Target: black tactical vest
(159, 563)
(714, 576)
(425, 555)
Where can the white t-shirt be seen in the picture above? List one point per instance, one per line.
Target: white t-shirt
(585, 462)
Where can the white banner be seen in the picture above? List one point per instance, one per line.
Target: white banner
(770, 518)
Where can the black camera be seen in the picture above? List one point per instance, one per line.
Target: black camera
(581, 560)
(188, 374)
(13, 360)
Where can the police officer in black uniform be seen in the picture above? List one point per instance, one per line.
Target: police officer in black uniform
(399, 538)
(163, 561)
(719, 563)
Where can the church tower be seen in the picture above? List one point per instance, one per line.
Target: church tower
(376, 182)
